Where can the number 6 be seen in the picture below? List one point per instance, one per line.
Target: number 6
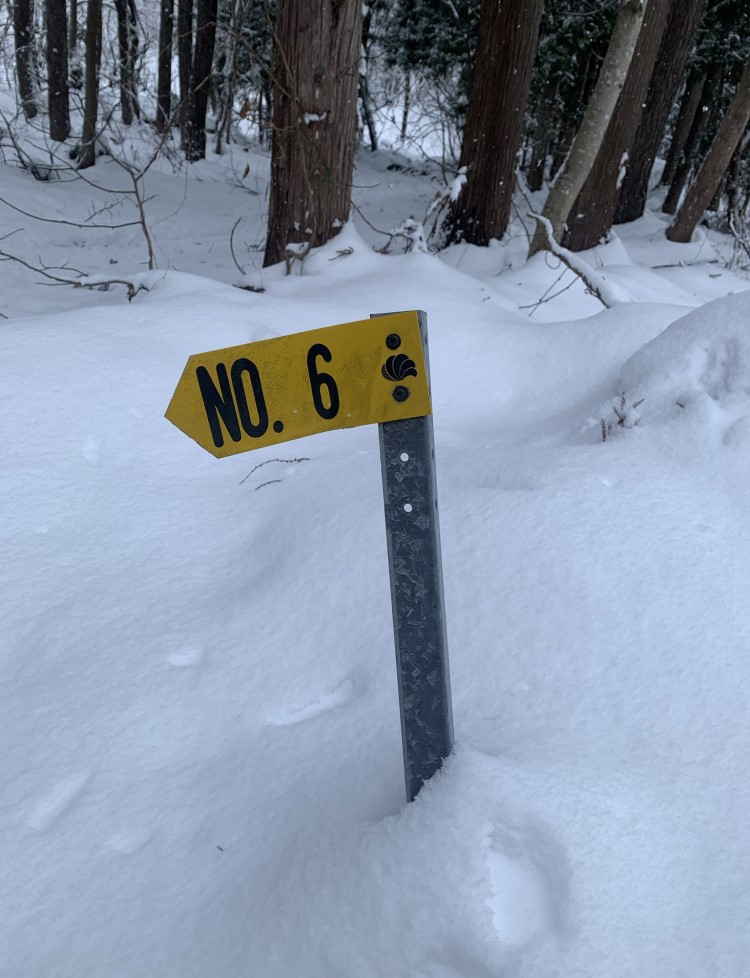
(318, 380)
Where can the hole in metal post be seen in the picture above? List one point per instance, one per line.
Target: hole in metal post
(408, 507)
(404, 456)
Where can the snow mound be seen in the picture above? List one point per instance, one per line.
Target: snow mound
(697, 370)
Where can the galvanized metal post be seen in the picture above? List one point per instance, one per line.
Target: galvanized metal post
(407, 458)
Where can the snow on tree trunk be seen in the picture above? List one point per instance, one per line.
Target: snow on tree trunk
(592, 214)
(676, 44)
(715, 164)
(593, 126)
(508, 33)
(314, 122)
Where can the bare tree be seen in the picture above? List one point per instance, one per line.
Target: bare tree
(57, 70)
(715, 165)
(592, 130)
(314, 122)
(508, 33)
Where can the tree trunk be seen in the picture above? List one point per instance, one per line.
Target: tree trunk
(715, 164)
(689, 103)
(700, 120)
(184, 56)
(508, 33)
(407, 105)
(23, 30)
(91, 100)
(592, 130)
(542, 135)
(73, 26)
(57, 70)
(164, 65)
(592, 214)
(125, 68)
(314, 122)
(580, 95)
(194, 138)
(676, 45)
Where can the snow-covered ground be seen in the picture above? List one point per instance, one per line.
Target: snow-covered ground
(201, 746)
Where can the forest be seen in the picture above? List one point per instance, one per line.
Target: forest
(207, 703)
(577, 99)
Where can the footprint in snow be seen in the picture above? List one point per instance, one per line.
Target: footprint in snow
(57, 801)
(129, 841)
(90, 450)
(327, 700)
(190, 655)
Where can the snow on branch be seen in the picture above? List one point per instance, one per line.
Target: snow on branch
(595, 283)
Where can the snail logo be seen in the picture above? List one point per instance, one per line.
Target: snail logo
(399, 367)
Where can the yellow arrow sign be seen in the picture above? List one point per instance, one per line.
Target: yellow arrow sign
(259, 394)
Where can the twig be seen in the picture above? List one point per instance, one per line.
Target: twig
(240, 269)
(283, 461)
(101, 284)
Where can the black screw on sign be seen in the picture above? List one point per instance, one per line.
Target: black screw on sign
(407, 457)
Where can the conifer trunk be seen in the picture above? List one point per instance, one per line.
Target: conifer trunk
(91, 98)
(592, 130)
(676, 44)
(23, 31)
(508, 32)
(164, 65)
(57, 70)
(592, 214)
(314, 122)
(715, 164)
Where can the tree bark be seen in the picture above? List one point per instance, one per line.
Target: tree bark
(542, 135)
(593, 212)
(57, 70)
(700, 120)
(689, 103)
(164, 65)
(23, 30)
(184, 56)
(676, 45)
(91, 98)
(508, 33)
(127, 52)
(73, 26)
(194, 134)
(592, 130)
(314, 122)
(715, 164)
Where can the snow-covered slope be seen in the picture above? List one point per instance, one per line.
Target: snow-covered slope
(202, 761)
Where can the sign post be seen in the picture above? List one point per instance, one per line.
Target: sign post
(374, 371)
(407, 459)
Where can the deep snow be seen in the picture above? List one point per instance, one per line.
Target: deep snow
(202, 761)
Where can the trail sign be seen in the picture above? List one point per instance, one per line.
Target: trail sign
(264, 393)
(372, 371)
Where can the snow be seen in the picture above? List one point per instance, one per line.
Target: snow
(202, 759)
